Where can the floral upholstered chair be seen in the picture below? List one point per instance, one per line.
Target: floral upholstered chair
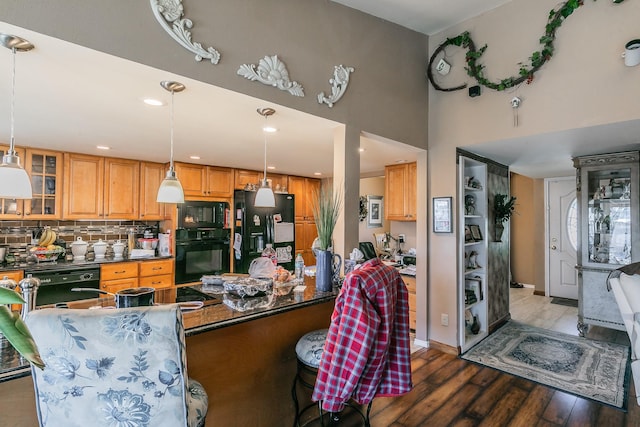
(114, 368)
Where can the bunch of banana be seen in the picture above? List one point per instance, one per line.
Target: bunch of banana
(47, 237)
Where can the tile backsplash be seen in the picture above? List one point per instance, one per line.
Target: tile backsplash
(18, 236)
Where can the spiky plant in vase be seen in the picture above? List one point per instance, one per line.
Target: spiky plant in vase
(15, 330)
(326, 207)
(503, 208)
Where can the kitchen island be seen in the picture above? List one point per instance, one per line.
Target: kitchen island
(245, 360)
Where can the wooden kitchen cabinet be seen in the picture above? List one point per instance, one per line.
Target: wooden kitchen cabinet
(304, 190)
(121, 188)
(205, 182)
(118, 276)
(83, 186)
(157, 274)
(45, 172)
(411, 287)
(151, 176)
(400, 192)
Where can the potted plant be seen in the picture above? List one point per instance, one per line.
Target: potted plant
(326, 209)
(503, 208)
(15, 330)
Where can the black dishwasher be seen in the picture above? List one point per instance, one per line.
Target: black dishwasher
(55, 285)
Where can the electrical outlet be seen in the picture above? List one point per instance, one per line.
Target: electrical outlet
(444, 319)
(401, 238)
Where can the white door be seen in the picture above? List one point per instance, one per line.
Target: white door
(562, 238)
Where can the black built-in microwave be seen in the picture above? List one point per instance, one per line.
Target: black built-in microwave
(203, 215)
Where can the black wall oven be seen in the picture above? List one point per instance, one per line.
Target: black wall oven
(201, 252)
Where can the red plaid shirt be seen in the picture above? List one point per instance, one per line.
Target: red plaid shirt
(367, 351)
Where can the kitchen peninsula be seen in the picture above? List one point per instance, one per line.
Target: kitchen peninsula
(245, 360)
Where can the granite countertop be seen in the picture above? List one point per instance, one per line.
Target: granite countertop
(207, 318)
(70, 265)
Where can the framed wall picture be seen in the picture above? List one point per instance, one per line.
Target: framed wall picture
(475, 232)
(375, 214)
(442, 215)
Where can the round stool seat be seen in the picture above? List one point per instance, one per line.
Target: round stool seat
(309, 347)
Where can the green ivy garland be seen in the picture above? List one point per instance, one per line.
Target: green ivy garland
(526, 72)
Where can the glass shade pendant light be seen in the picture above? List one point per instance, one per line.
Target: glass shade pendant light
(170, 190)
(265, 197)
(14, 180)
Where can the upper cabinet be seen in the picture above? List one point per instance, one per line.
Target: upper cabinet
(121, 188)
(97, 187)
(205, 182)
(400, 192)
(45, 170)
(151, 176)
(83, 186)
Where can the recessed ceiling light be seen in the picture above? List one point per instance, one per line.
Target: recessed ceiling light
(361, 150)
(103, 147)
(317, 173)
(271, 167)
(270, 129)
(153, 102)
(194, 157)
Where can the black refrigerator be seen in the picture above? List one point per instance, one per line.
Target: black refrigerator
(256, 227)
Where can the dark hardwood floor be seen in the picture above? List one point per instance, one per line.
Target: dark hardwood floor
(449, 391)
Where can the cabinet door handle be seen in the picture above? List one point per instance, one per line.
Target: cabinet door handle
(120, 272)
(156, 283)
(157, 268)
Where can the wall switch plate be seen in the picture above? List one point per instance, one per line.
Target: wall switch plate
(444, 319)
(401, 238)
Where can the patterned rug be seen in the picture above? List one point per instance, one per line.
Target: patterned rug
(592, 369)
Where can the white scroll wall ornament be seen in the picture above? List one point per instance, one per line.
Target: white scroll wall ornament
(169, 14)
(271, 71)
(339, 83)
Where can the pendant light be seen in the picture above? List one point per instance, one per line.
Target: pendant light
(14, 180)
(170, 190)
(265, 197)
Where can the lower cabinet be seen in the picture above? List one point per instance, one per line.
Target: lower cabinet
(117, 276)
(156, 274)
(411, 287)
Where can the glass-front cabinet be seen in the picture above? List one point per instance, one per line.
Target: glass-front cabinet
(607, 187)
(45, 170)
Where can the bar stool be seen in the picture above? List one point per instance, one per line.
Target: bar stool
(308, 354)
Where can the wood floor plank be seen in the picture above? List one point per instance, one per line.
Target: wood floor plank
(584, 414)
(560, 407)
(505, 408)
(531, 411)
(610, 416)
(445, 391)
(492, 394)
(454, 407)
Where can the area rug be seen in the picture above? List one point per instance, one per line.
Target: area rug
(564, 301)
(595, 370)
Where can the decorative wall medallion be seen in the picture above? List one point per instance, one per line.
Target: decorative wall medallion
(271, 71)
(339, 84)
(169, 14)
